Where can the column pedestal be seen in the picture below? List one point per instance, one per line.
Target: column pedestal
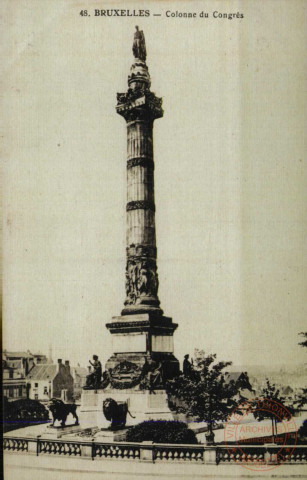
(142, 404)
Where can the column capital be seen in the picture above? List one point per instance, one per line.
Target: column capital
(139, 105)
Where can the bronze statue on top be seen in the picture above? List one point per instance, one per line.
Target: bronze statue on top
(139, 47)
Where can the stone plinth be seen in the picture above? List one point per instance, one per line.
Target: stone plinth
(142, 405)
(59, 432)
(106, 435)
(143, 336)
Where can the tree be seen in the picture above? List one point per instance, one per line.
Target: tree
(302, 399)
(203, 393)
(271, 392)
(304, 343)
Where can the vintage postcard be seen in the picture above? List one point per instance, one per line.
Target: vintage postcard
(154, 239)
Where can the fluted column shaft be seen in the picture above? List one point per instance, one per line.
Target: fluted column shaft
(141, 267)
(140, 185)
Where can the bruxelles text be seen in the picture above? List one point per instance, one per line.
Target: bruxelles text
(168, 14)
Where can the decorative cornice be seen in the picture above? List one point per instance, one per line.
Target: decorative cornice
(140, 204)
(139, 104)
(144, 326)
(140, 161)
(132, 324)
(134, 251)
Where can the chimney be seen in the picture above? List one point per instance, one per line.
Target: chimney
(50, 354)
(67, 366)
(59, 366)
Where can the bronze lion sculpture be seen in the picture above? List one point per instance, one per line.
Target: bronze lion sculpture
(116, 413)
(61, 410)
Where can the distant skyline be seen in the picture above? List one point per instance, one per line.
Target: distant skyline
(272, 367)
(230, 181)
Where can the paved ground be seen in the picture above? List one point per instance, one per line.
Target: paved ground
(35, 430)
(29, 467)
(22, 466)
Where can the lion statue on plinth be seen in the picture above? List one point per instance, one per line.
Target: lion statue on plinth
(116, 413)
(61, 410)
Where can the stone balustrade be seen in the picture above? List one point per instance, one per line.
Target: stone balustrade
(127, 451)
(16, 444)
(189, 453)
(154, 453)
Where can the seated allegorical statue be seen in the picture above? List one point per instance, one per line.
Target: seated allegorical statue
(153, 374)
(188, 369)
(94, 378)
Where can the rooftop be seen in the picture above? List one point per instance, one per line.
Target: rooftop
(43, 371)
(17, 354)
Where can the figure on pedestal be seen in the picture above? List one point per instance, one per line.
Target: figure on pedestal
(152, 375)
(61, 410)
(116, 413)
(139, 48)
(94, 379)
(187, 366)
(189, 370)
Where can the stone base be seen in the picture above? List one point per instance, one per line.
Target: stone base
(58, 432)
(106, 435)
(142, 405)
(140, 337)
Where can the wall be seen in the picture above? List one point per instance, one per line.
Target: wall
(14, 391)
(40, 389)
(63, 381)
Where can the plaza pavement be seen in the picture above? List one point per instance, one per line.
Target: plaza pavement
(29, 467)
(24, 466)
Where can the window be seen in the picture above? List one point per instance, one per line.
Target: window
(45, 390)
(35, 384)
(20, 392)
(11, 374)
(11, 392)
(36, 396)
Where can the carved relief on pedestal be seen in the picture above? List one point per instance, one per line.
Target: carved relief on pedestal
(149, 375)
(125, 375)
(141, 279)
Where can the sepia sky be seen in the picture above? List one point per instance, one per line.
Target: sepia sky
(230, 176)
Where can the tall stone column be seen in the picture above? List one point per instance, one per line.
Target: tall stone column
(140, 107)
(142, 333)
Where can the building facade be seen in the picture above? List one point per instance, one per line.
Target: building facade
(46, 381)
(16, 366)
(79, 375)
(14, 382)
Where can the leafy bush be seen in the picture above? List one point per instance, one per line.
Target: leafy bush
(161, 431)
(22, 413)
(302, 432)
